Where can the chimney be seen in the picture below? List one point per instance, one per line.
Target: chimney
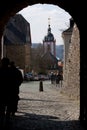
(71, 22)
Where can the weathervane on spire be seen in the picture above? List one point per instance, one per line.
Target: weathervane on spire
(49, 21)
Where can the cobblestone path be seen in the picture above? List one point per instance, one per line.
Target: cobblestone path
(47, 110)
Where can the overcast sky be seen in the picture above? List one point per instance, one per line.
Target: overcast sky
(37, 15)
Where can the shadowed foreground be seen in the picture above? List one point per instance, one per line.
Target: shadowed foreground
(41, 122)
(47, 110)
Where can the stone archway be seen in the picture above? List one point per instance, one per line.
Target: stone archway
(10, 9)
(14, 6)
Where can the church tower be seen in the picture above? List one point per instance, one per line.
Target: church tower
(49, 42)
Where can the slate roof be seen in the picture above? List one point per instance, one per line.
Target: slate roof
(51, 60)
(49, 55)
(17, 31)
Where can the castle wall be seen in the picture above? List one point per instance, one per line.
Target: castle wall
(71, 77)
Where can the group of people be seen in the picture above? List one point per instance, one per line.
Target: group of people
(10, 80)
(56, 78)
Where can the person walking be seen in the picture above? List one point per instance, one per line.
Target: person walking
(57, 79)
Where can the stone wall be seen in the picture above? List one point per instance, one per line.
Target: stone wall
(71, 77)
(20, 54)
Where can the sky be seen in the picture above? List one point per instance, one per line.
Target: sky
(37, 15)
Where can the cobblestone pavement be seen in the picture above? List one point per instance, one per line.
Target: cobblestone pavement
(47, 110)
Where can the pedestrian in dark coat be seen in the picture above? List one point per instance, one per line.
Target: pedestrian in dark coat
(16, 80)
(10, 80)
(4, 88)
(57, 79)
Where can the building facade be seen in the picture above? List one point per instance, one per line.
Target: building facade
(17, 42)
(67, 39)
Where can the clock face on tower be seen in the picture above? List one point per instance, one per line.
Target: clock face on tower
(49, 42)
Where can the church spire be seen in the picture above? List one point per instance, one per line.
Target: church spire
(49, 29)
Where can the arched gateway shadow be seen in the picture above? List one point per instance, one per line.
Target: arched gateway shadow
(24, 120)
(42, 122)
(74, 10)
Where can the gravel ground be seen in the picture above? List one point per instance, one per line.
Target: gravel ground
(46, 110)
